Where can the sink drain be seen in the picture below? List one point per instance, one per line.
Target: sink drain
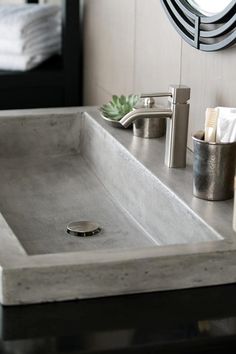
(83, 228)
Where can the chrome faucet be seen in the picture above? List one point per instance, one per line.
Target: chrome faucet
(177, 114)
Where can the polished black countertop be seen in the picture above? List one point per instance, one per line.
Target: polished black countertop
(199, 320)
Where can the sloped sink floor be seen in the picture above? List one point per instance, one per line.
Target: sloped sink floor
(40, 197)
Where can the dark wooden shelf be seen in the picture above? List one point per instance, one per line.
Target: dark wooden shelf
(162, 322)
(49, 73)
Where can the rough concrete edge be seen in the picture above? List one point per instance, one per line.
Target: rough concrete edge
(40, 112)
(200, 275)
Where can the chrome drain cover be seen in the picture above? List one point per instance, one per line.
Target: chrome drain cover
(83, 228)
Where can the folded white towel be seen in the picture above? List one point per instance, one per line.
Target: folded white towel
(26, 62)
(15, 19)
(32, 43)
(226, 125)
(29, 34)
(39, 27)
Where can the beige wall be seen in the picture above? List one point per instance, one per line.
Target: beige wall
(130, 46)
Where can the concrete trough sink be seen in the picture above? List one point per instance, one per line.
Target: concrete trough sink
(63, 165)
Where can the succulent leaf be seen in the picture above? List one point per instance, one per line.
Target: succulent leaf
(118, 107)
(115, 99)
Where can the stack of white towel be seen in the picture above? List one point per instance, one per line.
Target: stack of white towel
(29, 34)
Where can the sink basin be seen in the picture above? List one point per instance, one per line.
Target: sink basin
(64, 165)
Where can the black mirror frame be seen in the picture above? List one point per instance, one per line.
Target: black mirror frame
(190, 25)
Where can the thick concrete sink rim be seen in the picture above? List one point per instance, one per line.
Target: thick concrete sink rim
(24, 260)
(28, 279)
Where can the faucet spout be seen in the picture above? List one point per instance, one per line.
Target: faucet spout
(135, 114)
(177, 125)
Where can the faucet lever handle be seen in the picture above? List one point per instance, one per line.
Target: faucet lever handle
(177, 94)
(155, 95)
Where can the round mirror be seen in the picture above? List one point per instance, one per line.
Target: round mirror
(208, 25)
(209, 7)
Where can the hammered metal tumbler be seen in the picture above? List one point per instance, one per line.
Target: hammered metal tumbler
(213, 169)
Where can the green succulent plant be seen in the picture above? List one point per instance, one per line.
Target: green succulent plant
(118, 107)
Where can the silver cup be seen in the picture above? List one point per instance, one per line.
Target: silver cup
(213, 169)
(149, 127)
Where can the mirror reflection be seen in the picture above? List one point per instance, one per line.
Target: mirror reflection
(209, 7)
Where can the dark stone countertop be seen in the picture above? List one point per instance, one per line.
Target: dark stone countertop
(200, 320)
